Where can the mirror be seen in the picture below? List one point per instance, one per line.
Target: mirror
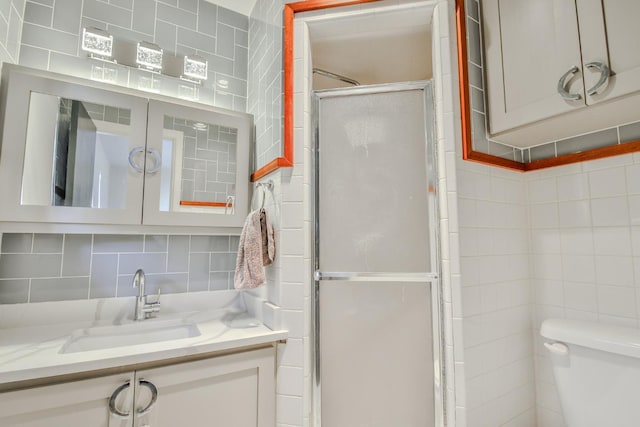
(199, 163)
(76, 153)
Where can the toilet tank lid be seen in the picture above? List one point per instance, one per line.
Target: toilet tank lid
(610, 338)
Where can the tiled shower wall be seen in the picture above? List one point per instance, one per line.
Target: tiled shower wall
(57, 267)
(11, 18)
(51, 41)
(265, 78)
(496, 297)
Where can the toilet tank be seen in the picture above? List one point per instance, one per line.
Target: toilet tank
(597, 371)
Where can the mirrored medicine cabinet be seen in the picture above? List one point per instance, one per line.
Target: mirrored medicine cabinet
(81, 152)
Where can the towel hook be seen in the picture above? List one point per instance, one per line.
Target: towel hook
(229, 205)
(267, 185)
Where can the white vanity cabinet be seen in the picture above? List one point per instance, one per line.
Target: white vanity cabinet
(72, 404)
(549, 59)
(235, 390)
(81, 152)
(231, 391)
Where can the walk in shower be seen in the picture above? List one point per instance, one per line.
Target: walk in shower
(377, 294)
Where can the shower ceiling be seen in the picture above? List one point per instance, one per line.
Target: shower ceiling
(373, 48)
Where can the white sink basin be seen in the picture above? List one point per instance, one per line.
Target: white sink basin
(143, 332)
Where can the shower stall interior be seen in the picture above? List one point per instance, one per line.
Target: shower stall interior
(377, 299)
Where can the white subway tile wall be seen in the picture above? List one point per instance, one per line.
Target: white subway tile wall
(496, 298)
(51, 41)
(586, 265)
(58, 267)
(11, 20)
(265, 78)
(447, 136)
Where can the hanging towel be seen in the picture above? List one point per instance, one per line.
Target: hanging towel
(268, 241)
(256, 249)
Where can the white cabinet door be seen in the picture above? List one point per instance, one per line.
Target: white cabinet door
(70, 153)
(609, 34)
(529, 46)
(74, 404)
(197, 166)
(231, 391)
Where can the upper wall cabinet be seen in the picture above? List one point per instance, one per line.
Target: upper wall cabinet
(550, 59)
(76, 151)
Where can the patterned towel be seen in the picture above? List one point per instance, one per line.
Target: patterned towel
(256, 249)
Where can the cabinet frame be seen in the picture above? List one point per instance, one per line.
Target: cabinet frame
(13, 144)
(468, 153)
(13, 121)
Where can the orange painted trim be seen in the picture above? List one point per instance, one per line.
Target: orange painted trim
(208, 204)
(596, 153)
(488, 159)
(290, 10)
(287, 134)
(463, 74)
(305, 6)
(465, 104)
(273, 165)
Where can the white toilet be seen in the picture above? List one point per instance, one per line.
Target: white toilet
(597, 370)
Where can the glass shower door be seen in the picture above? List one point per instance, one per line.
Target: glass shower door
(376, 260)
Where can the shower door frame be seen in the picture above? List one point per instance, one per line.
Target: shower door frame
(420, 279)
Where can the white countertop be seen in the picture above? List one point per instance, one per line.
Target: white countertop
(32, 348)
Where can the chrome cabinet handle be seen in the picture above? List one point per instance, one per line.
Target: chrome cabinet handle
(112, 401)
(132, 162)
(157, 160)
(563, 82)
(604, 75)
(154, 396)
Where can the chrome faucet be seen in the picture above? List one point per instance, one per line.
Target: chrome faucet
(144, 309)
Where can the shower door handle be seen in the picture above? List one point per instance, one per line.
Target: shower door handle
(352, 276)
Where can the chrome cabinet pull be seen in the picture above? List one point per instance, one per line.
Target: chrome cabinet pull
(132, 162)
(157, 160)
(605, 72)
(154, 396)
(112, 401)
(563, 82)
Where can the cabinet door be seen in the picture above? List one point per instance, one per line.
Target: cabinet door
(69, 152)
(232, 391)
(74, 404)
(529, 46)
(197, 166)
(609, 34)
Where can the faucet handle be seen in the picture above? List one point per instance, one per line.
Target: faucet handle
(157, 301)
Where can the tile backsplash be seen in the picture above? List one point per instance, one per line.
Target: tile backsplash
(56, 267)
(11, 19)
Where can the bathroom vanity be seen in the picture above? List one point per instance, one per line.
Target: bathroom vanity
(98, 367)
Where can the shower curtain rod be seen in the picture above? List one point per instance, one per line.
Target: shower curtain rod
(336, 76)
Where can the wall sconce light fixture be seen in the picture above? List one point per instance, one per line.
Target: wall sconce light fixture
(97, 42)
(149, 56)
(195, 67)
